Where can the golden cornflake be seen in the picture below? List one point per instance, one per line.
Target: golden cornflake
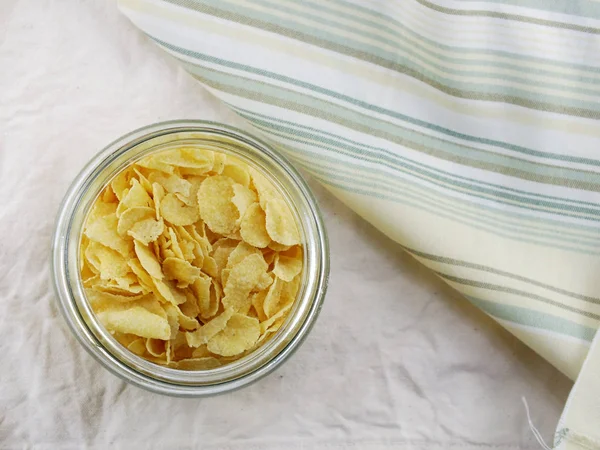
(253, 227)
(216, 207)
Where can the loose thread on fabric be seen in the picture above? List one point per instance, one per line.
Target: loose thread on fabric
(534, 430)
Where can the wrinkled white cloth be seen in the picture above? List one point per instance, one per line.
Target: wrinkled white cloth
(74, 75)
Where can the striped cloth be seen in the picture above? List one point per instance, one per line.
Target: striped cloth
(465, 130)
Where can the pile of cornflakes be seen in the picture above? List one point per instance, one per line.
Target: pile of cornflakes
(191, 258)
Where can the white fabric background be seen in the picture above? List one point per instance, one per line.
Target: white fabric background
(396, 360)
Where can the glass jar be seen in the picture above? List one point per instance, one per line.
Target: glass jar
(100, 343)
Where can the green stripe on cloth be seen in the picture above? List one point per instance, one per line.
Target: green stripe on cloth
(513, 17)
(509, 290)
(535, 319)
(580, 8)
(456, 262)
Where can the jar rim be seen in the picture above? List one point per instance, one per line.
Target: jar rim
(101, 345)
